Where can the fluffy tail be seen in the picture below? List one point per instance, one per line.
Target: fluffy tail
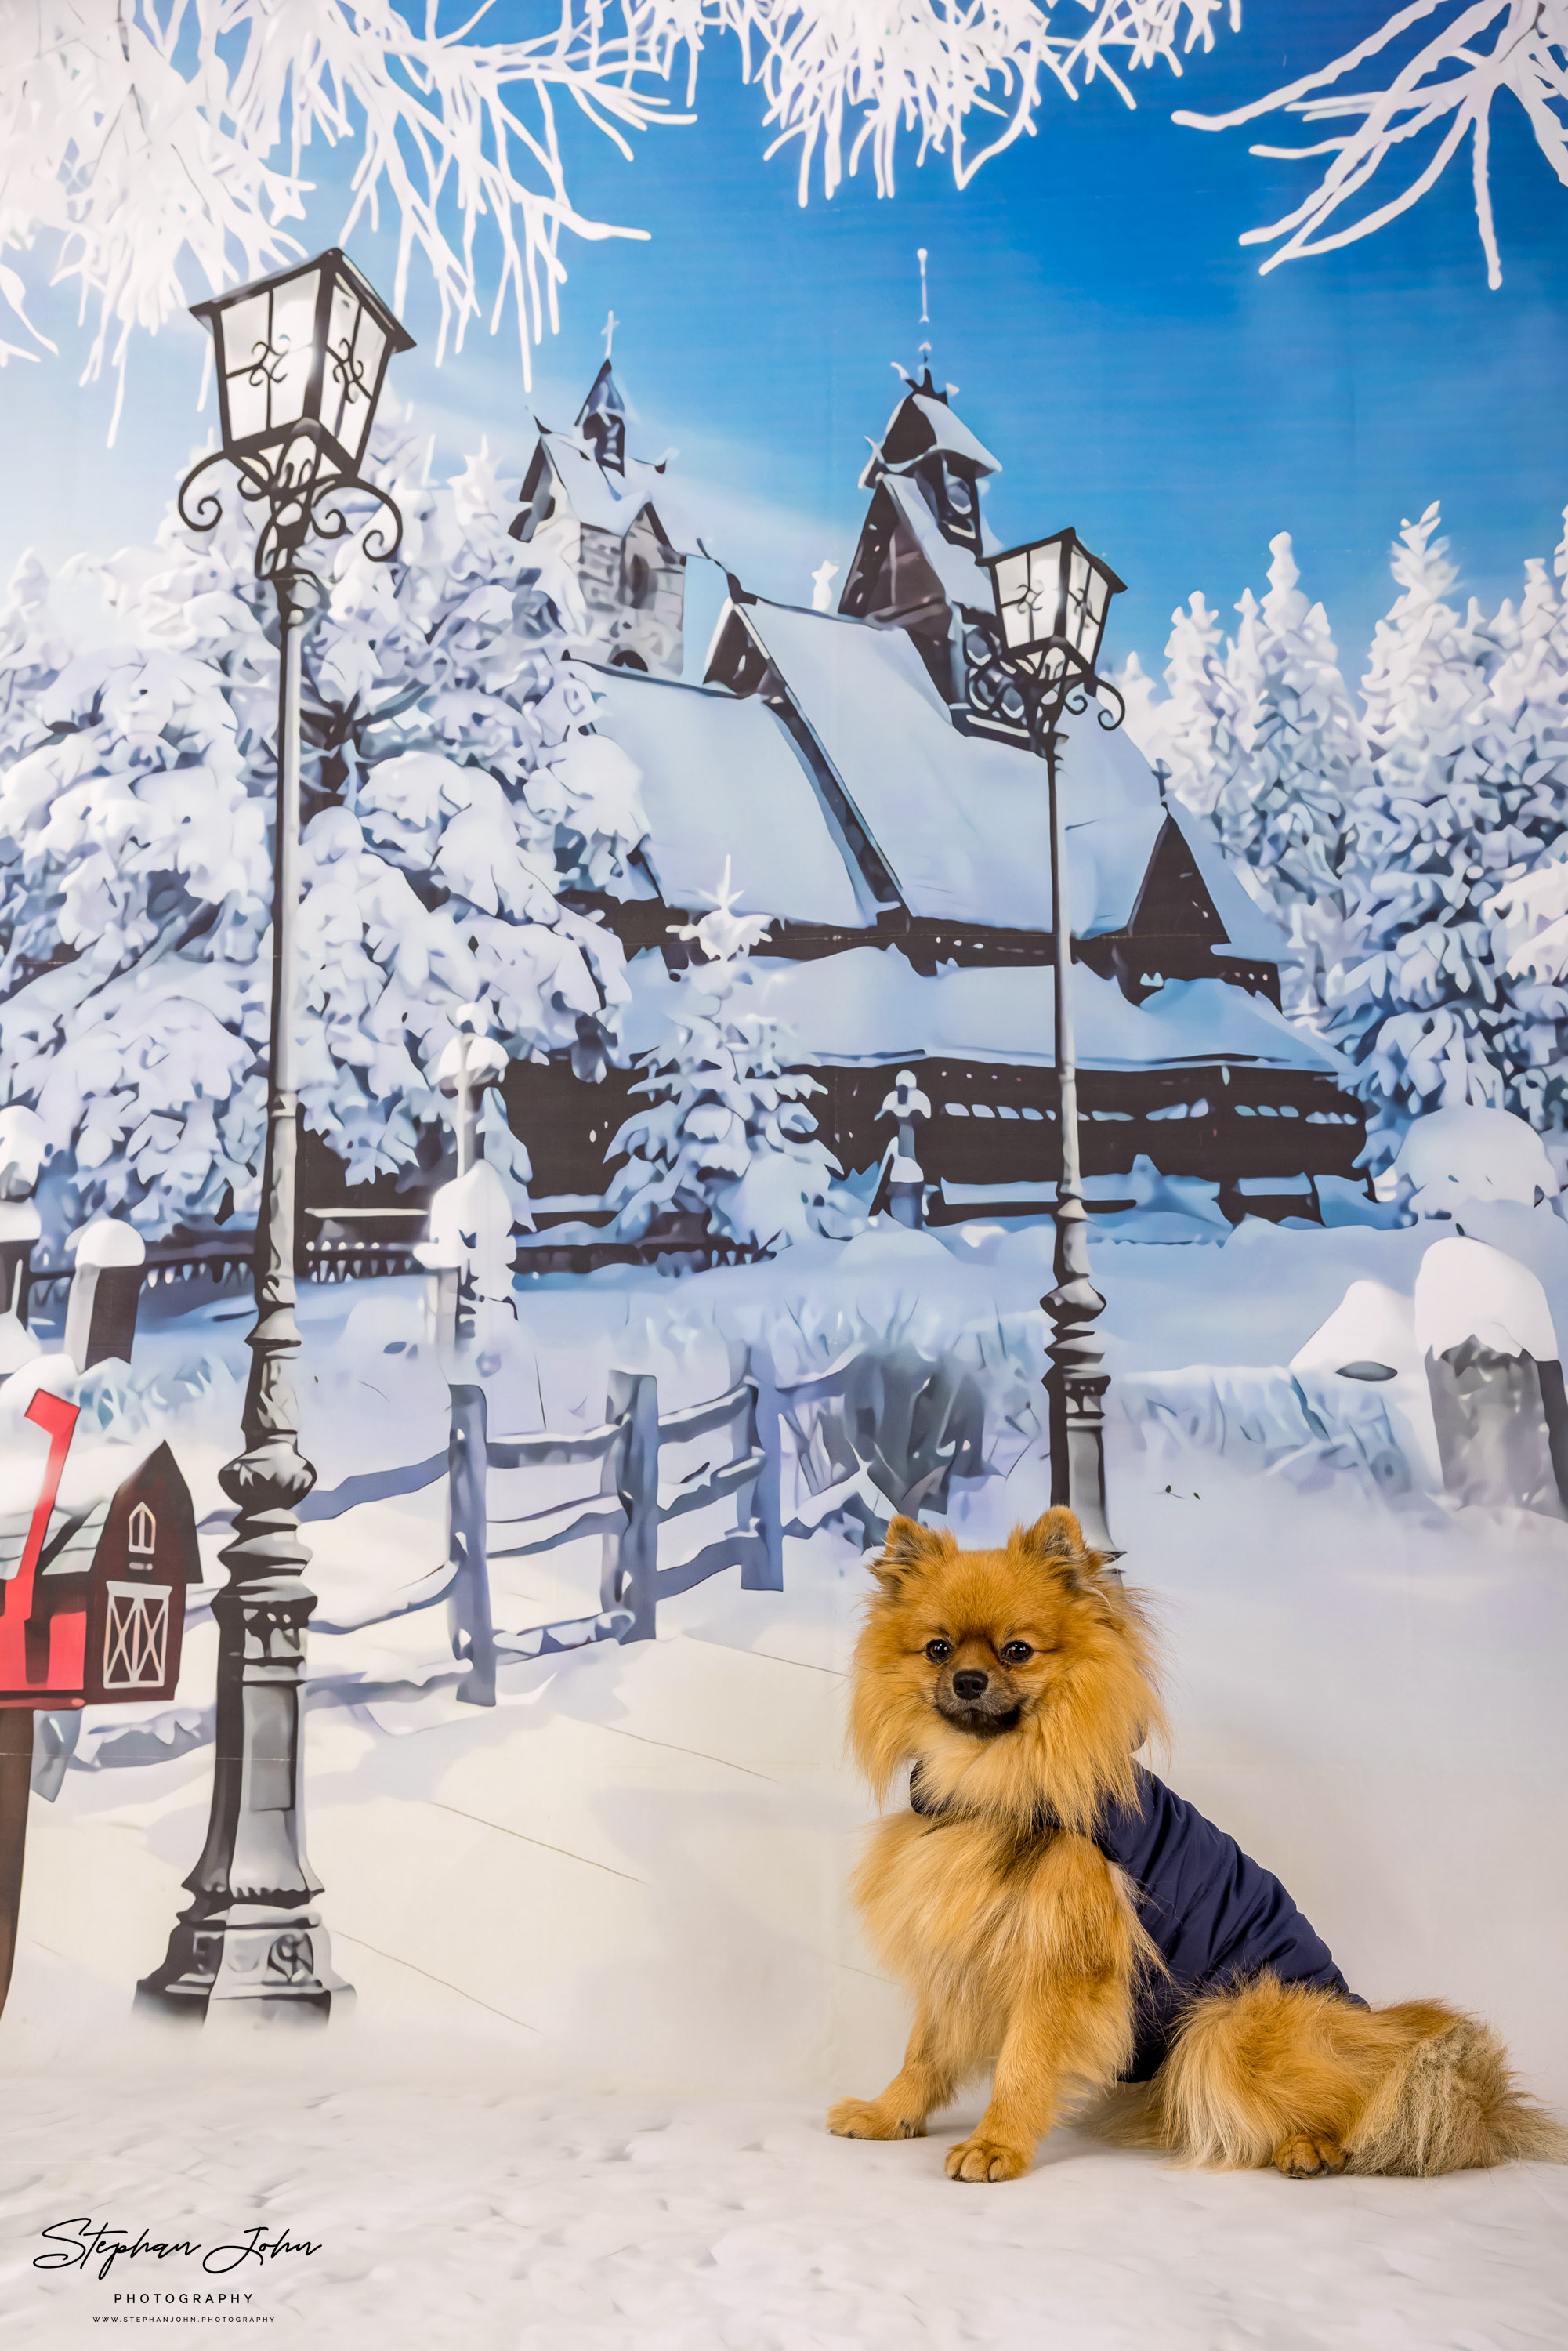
(1450, 2103)
(1281, 2073)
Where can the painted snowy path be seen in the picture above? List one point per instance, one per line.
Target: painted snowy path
(468, 2216)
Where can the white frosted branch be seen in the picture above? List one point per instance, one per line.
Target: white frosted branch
(1449, 75)
(149, 141)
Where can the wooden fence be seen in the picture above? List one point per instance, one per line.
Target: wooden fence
(324, 1260)
(721, 1452)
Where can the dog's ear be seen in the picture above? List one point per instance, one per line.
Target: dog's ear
(1056, 1541)
(907, 1550)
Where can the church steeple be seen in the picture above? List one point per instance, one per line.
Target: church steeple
(619, 525)
(601, 421)
(928, 443)
(917, 565)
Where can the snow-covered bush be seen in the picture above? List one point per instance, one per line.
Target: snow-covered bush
(727, 1134)
(1466, 1154)
(452, 790)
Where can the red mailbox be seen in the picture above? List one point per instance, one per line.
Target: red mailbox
(94, 1613)
(92, 1609)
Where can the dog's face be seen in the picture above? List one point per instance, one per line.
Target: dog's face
(986, 1635)
(1001, 1671)
(985, 1642)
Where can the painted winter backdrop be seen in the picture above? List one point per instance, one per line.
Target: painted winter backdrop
(1412, 840)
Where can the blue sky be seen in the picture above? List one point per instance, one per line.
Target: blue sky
(1114, 345)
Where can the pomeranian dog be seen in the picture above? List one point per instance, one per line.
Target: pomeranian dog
(1067, 1923)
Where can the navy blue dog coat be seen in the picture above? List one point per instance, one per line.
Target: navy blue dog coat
(1216, 1918)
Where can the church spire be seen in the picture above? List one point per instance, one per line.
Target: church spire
(602, 419)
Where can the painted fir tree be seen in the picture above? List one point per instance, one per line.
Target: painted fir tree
(1301, 761)
(1189, 732)
(1468, 792)
(727, 1135)
(1528, 916)
(452, 790)
(1258, 734)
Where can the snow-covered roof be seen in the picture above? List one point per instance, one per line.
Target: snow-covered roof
(1107, 858)
(949, 432)
(1248, 930)
(868, 1005)
(93, 1474)
(723, 779)
(960, 822)
(922, 421)
(612, 502)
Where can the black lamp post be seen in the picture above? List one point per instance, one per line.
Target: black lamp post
(300, 360)
(1053, 598)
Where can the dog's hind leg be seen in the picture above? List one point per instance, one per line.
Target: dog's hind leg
(1270, 2072)
(925, 2080)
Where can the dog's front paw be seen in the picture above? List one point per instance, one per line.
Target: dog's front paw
(987, 2158)
(1309, 2155)
(871, 2118)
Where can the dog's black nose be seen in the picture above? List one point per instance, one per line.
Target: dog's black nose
(970, 1684)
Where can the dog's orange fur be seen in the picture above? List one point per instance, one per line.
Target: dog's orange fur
(1022, 1945)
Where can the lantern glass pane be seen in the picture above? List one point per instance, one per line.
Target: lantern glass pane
(242, 338)
(356, 348)
(293, 347)
(1011, 576)
(1088, 596)
(1045, 587)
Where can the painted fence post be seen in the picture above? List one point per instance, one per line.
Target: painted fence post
(632, 1559)
(766, 1573)
(1484, 1324)
(19, 1230)
(106, 1289)
(467, 1467)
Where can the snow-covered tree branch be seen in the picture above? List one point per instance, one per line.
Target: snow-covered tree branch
(1418, 121)
(150, 141)
(842, 77)
(142, 136)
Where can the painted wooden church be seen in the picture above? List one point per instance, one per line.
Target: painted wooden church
(904, 860)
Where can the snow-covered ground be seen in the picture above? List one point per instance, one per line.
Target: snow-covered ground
(467, 2214)
(606, 1978)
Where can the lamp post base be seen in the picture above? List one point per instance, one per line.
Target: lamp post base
(250, 1959)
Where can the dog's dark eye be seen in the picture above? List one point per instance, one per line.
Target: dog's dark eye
(1016, 1653)
(938, 1651)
